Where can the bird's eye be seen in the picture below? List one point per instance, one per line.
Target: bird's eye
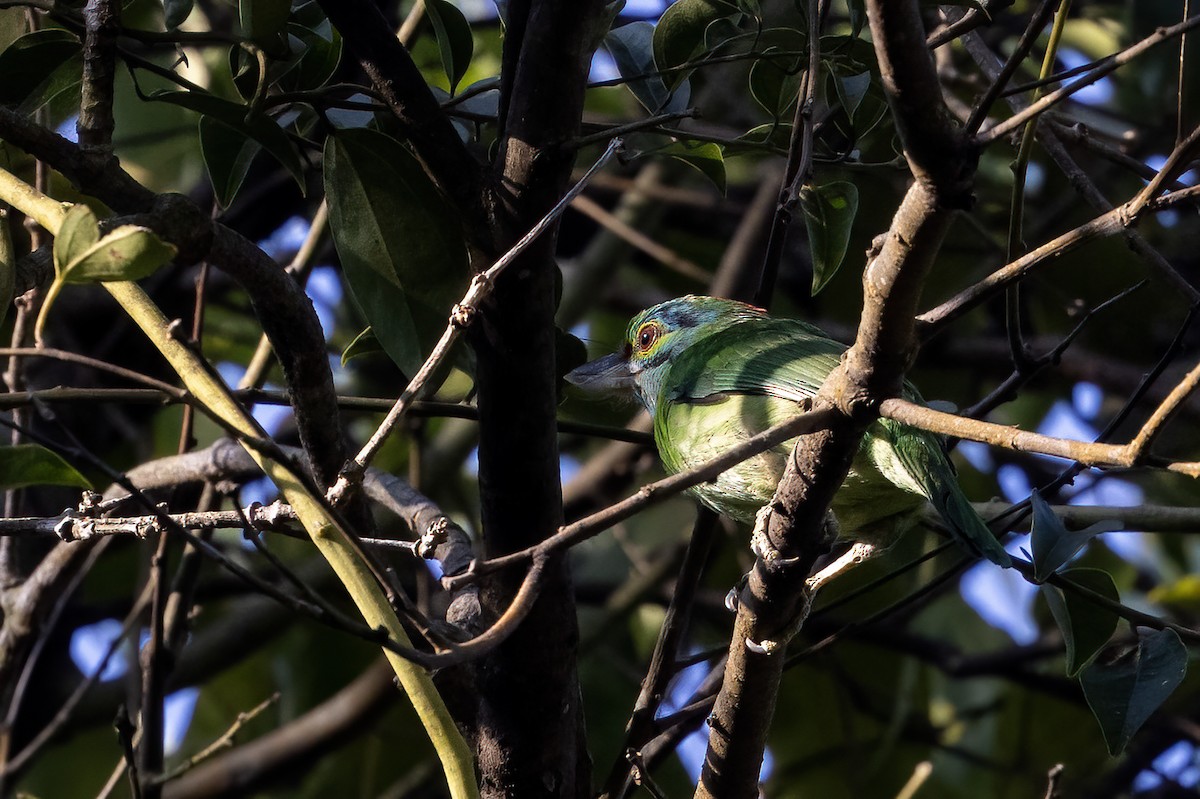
(646, 336)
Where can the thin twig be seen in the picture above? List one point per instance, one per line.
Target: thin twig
(95, 363)
(460, 319)
(223, 741)
(1106, 66)
(55, 725)
(571, 534)
(639, 240)
(1032, 31)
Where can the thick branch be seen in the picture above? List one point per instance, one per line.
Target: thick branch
(102, 19)
(531, 740)
(873, 368)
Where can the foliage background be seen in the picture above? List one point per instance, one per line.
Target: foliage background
(987, 705)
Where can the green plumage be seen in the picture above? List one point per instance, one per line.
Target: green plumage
(714, 373)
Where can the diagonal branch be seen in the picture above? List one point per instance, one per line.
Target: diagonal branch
(286, 314)
(774, 601)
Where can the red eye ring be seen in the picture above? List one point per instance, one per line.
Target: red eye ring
(646, 336)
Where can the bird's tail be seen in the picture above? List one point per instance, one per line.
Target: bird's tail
(928, 466)
(955, 509)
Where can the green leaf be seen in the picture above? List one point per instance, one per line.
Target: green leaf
(705, 157)
(176, 12)
(263, 20)
(34, 465)
(1124, 693)
(227, 154)
(257, 126)
(77, 233)
(679, 34)
(632, 49)
(776, 135)
(364, 343)
(400, 241)
(1054, 545)
(1086, 627)
(828, 217)
(454, 38)
(775, 85)
(29, 64)
(129, 252)
(319, 49)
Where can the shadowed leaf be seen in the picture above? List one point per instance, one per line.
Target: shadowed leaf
(399, 240)
(1086, 627)
(1053, 544)
(829, 212)
(1125, 692)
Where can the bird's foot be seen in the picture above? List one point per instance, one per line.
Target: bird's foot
(760, 542)
(779, 641)
(855, 555)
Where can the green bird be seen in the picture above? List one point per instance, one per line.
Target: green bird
(714, 372)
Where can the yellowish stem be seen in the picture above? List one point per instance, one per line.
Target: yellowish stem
(332, 541)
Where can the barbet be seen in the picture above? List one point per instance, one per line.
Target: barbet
(715, 372)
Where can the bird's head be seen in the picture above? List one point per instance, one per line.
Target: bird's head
(654, 338)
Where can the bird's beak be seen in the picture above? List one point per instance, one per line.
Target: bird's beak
(610, 373)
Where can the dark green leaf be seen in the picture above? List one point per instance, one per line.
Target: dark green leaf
(363, 344)
(129, 252)
(1086, 627)
(259, 127)
(720, 32)
(632, 49)
(29, 63)
(1124, 693)
(604, 23)
(263, 20)
(175, 12)
(1053, 544)
(400, 241)
(320, 49)
(773, 134)
(228, 154)
(704, 157)
(453, 37)
(679, 34)
(828, 217)
(851, 90)
(858, 15)
(33, 465)
(775, 85)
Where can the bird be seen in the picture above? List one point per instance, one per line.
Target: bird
(713, 372)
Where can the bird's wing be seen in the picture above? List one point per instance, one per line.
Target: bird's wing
(782, 358)
(790, 360)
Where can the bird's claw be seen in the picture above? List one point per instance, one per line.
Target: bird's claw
(764, 647)
(732, 598)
